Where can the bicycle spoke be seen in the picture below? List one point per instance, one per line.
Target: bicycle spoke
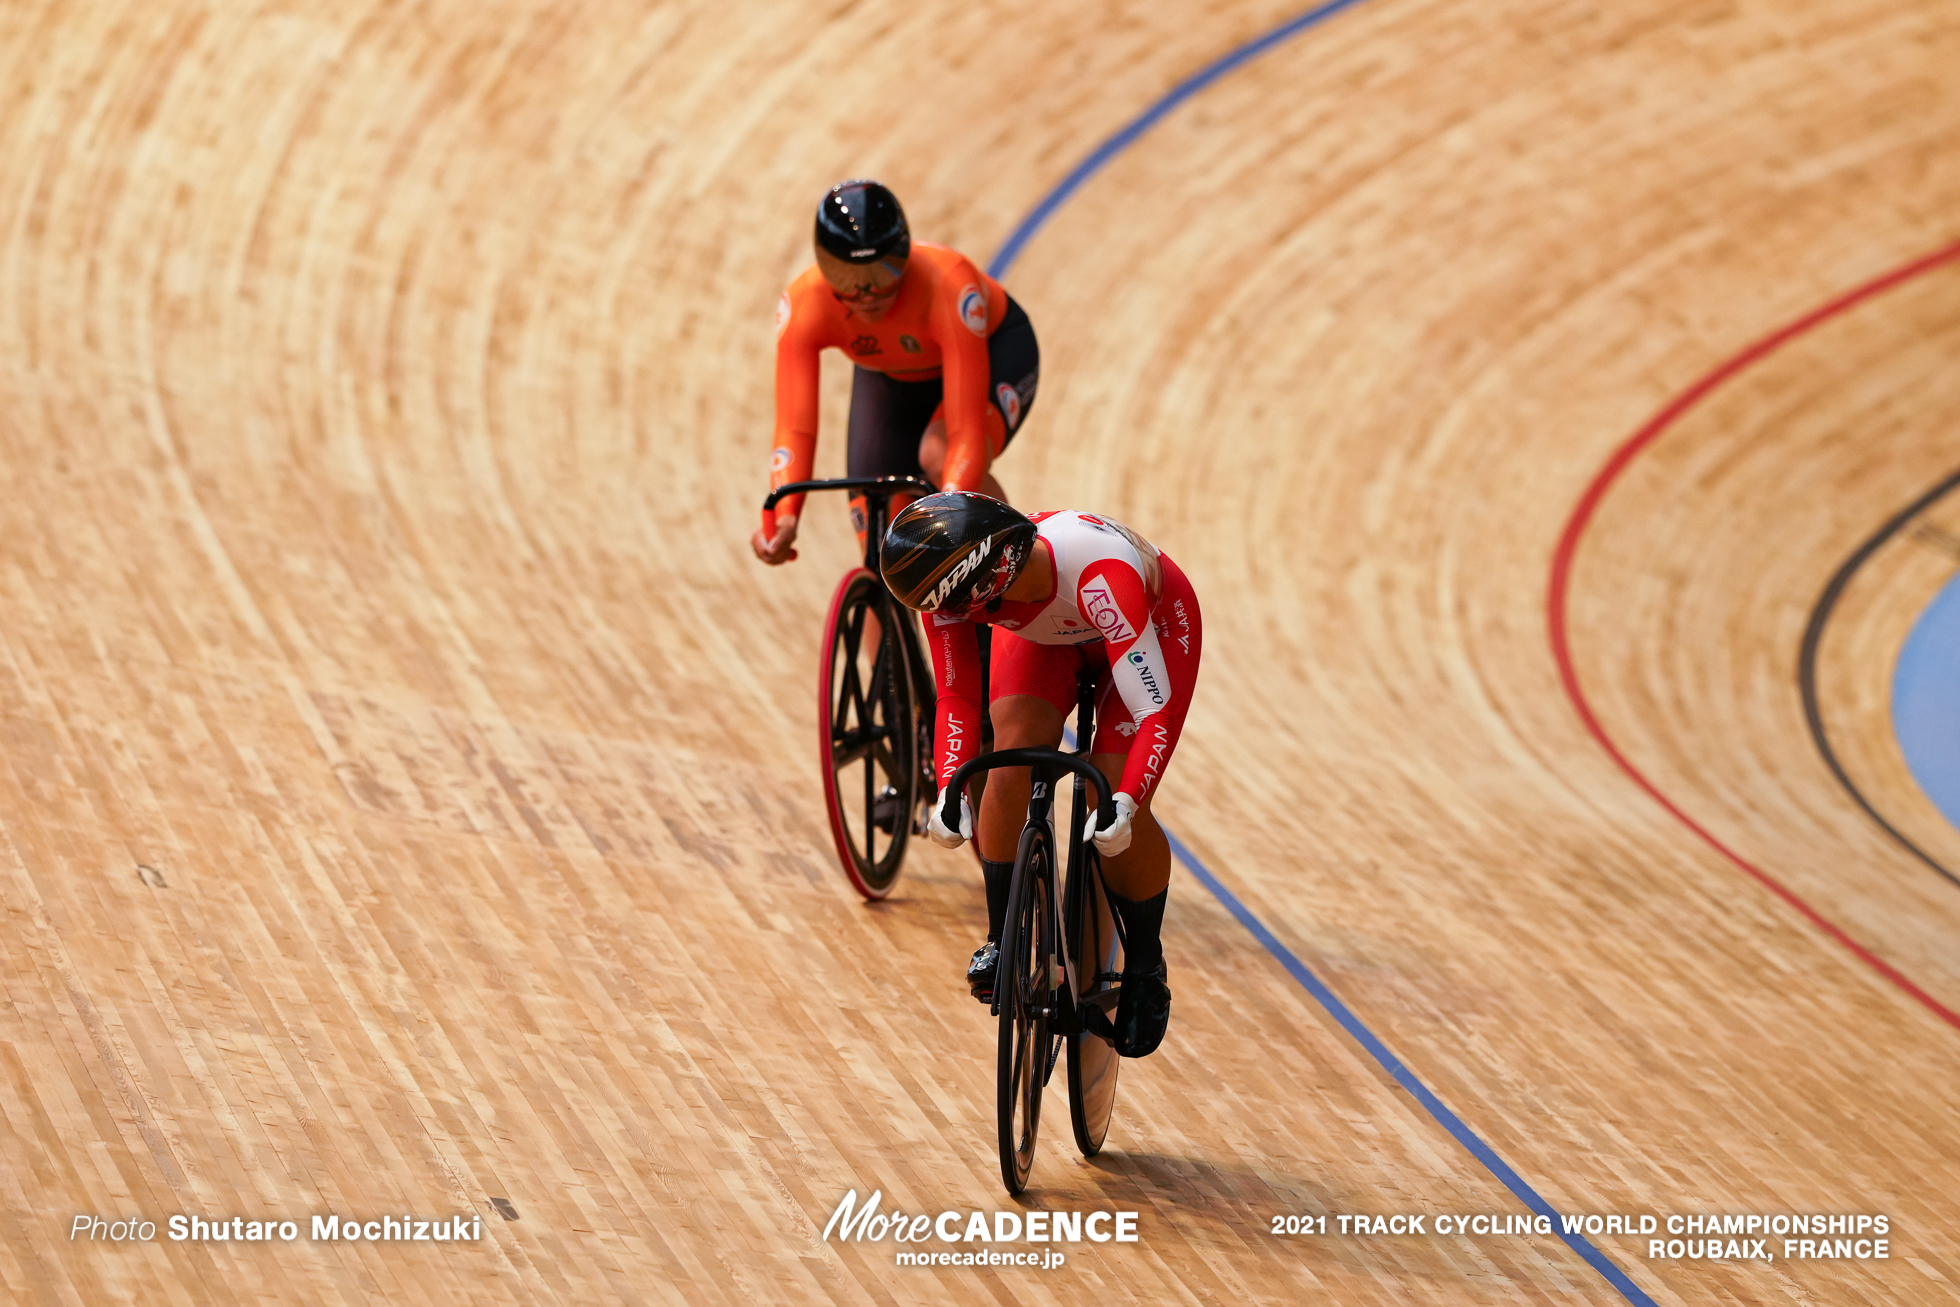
(850, 750)
(849, 699)
(870, 813)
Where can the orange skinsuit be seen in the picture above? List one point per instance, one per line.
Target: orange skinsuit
(940, 319)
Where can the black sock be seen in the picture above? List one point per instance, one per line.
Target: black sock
(1143, 929)
(1000, 879)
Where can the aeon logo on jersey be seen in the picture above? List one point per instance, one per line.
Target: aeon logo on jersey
(1142, 664)
(973, 310)
(961, 570)
(1100, 608)
(1010, 404)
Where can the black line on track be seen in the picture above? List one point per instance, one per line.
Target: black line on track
(1813, 637)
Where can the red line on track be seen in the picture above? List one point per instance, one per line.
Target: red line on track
(1582, 515)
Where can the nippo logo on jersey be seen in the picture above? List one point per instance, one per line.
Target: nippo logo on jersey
(960, 571)
(973, 310)
(1099, 606)
(1010, 404)
(1150, 685)
(782, 314)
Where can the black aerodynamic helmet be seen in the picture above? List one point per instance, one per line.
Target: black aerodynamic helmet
(860, 222)
(954, 552)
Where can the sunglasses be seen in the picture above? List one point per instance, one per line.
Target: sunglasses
(862, 283)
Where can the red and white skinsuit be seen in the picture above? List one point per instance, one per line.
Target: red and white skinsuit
(1118, 603)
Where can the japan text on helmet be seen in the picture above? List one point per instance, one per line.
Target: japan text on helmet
(860, 222)
(955, 552)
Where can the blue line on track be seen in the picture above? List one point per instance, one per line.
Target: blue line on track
(1435, 1106)
(1001, 262)
(1143, 122)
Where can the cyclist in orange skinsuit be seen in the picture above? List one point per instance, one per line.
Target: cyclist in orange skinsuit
(947, 363)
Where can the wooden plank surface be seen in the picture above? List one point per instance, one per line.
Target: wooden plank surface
(408, 802)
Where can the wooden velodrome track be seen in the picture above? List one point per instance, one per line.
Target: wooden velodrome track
(384, 398)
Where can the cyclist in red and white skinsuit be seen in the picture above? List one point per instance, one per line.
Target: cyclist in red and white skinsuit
(1083, 592)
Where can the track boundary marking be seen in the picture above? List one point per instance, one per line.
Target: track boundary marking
(1813, 641)
(1394, 1065)
(1560, 583)
(1127, 135)
(997, 267)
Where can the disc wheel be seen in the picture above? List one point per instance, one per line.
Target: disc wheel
(1092, 1060)
(868, 735)
(1024, 986)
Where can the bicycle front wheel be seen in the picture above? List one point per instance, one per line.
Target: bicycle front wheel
(1024, 987)
(867, 734)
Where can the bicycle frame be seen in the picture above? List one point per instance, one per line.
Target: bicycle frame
(1042, 1008)
(1045, 767)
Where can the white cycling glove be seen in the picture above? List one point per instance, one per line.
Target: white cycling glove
(1115, 837)
(941, 835)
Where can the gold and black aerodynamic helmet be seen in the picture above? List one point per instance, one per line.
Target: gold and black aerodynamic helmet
(955, 552)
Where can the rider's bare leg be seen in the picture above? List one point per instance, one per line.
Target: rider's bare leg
(1023, 720)
(1020, 721)
(1139, 883)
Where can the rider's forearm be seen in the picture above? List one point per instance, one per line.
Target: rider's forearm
(955, 653)
(1150, 754)
(793, 458)
(1142, 676)
(793, 452)
(958, 735)
(966, 462)
(966, 369)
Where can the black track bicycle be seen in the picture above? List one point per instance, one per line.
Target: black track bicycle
(875, 702)
(1061, 953)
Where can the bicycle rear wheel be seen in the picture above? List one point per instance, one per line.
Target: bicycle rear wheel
(868, 735)
(1092, 1060)
(1024, 987)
